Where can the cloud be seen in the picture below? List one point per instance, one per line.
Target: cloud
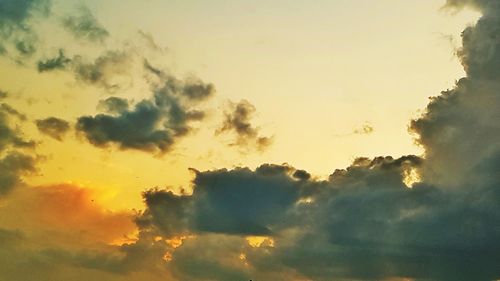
(105, 71)
(85, 26)
(365, 129)
(15, 24)
(460, 129)
(11, 137)
(363, 223)
(58, 62)
(238, 120)
(12, 167)
(154, 124)
(151, 43)
(13, 163)
(53, 127)
(231, 202)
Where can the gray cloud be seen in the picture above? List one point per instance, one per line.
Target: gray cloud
(153, 124)
(85, 26)
(102, 71)
(460, 127)
(12, 167)
(13, 164)
(53, 127)
(11, 136)
(15, 25)
(362, 224)
(58, 62)
(238, 120)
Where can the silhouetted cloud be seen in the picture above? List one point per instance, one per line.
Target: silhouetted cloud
(238, 120)
(58, 62)
(103, 69)
(53, 127)
(85, 26)
(15, 25)
(10, 136)
(12, 167)
(153, 124)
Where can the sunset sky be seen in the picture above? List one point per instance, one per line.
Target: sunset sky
(249, 140)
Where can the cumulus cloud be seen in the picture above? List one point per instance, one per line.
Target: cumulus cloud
(460, 127)
(238, 121)
(85, 26)
(363, 223)
(53, 127)
(153, 124)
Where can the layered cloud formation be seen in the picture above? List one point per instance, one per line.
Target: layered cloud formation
(434, 217)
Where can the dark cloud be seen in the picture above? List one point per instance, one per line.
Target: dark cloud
(15, 24)
(237, 201)
(13, 164)
(12, 167)
(3, 94)
(110, 70)
(104, 70)
(58, 62)
(238, 120)
(14, 14)
(153, 124)
(53, 127)
(10, 136)
(12, 111)
(363, 223)
(85, 26)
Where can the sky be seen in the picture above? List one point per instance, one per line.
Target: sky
(249, 140)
